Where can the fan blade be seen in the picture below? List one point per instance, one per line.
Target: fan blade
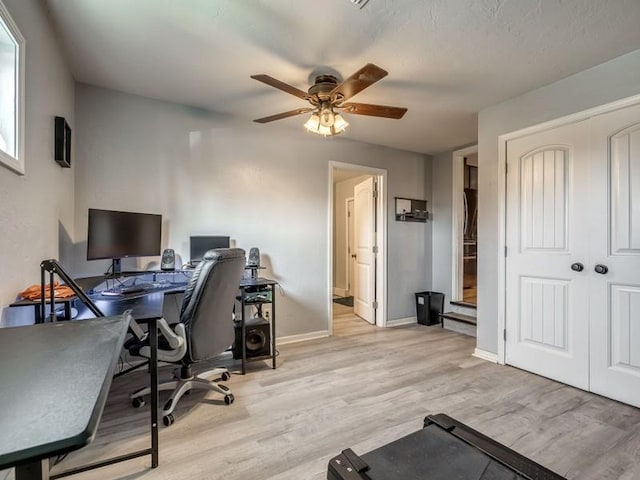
(280, 116)
(363, 78)
(281, 86)
(374, 110)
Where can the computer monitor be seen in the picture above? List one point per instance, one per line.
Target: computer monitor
(201, 244)
(115, 235)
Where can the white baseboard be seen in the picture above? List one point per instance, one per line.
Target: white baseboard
(484, 355)
(396, 322)
(303, 337)
(340, 292)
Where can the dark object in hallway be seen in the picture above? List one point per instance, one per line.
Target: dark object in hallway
(346, 301)
(444, 449)
(429, 306)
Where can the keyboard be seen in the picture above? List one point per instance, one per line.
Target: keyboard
(140, 287)
(127, 289)
(111, 292)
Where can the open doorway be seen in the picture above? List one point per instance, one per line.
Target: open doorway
(470, 230)
(465, 227)
(357, 243)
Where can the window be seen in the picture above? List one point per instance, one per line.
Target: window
(11, 93)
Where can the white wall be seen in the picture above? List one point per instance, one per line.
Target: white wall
(442, 193)
(342, 191)
(616, 79)
(38, 207)
(409, 244)
(261, 184)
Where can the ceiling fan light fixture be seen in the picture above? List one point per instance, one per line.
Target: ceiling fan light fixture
(339, 123)
(316, 123)
(327, 117)
(313, 123)
(326, 131)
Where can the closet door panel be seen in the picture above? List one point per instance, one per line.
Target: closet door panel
(547, 316)
(615, 244)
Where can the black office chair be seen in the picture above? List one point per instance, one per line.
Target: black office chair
(205, 329)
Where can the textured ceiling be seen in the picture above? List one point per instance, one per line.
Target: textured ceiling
(447, 59)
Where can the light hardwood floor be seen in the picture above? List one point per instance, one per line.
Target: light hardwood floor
(363, 388)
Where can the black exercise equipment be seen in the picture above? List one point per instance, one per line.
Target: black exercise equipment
(444, 449)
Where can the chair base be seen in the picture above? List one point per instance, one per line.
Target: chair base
(184, 383)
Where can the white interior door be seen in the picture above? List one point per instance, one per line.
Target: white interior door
(351, 253)
(364, 242)
(615, 244)
(547, 315)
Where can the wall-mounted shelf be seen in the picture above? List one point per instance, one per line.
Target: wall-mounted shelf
(411, 210)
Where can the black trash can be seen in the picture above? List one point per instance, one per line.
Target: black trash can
(429, 306)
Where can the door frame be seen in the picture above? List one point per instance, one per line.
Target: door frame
(457, 221)
(380, 175)
(502, 196)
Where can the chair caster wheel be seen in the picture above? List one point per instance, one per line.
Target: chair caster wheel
(225, 376)
(229, 398)
(168, 420)
(138, 402)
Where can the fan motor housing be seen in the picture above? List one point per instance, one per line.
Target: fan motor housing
(323, 86)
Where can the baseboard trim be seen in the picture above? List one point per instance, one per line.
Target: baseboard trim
(396, 322)
(484, 355)
(303, 337)
(340, 292)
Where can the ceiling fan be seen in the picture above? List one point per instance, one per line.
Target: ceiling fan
(326, 96)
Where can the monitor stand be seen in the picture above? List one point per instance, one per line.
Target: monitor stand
(116, 268)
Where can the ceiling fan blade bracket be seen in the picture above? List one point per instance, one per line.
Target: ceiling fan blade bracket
(314, 100)
(337, 98)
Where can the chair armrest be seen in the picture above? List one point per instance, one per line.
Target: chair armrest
(135, 327)
(176, 338)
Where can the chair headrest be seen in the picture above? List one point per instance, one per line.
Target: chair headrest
(223, 254)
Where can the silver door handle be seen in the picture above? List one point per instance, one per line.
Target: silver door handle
(577, 267)
(601, 269)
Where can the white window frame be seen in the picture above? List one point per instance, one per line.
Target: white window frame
(16, 163)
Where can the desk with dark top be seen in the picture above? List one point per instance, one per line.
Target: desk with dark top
(144, 309)
(146, 304)
(36, 304)
(55, 379)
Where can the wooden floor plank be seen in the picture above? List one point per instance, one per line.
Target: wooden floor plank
(362, 388)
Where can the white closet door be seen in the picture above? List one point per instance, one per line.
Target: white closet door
(615, 243)
(547, 232)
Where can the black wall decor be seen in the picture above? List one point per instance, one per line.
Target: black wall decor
(62, 142)
(411, 210)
